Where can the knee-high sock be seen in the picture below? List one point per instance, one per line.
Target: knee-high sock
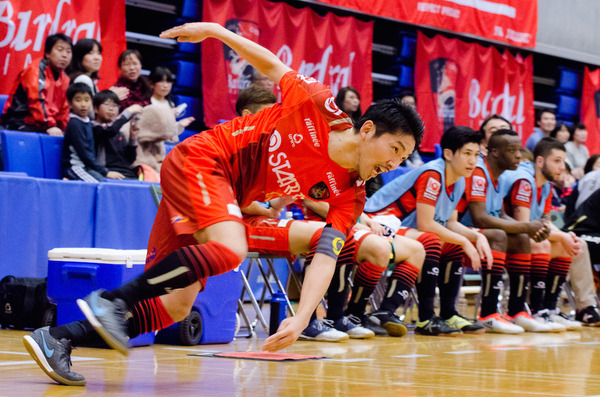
(427, 279)
(557, 273)
(539, 273)
(80, 333)
(518, 268)
(449, 281)
(491, 284)
(366, 279)
(400, 283)
(179, 269)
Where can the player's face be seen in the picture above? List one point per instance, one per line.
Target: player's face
(553, 166)
(510, 153)
(81, 104)
(464, 160)
(383, 153)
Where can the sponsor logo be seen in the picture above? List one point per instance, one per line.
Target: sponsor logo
(435, 271)
(295, 139)
(478, 188)
(312, 131)
(404, 294)
(540, 285)
(306, 79)
(432, 190)
(333, 183)
(49, 352)
(524, 192)
(151, 255)
(338, 244)
(275, 141)
(281, 166)
(332, 107)
(178, 219)
(319, 191)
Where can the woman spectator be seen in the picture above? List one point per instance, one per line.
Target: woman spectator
(86, 62)
(348, 99)
(592, 164)
(577, 152)
(137, 90)
(161, 81)
(561, 132)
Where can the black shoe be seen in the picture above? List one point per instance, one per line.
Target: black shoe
(364, 321)
(588, 317)
(389, 321)
(435, 326)
(108, 319)
(53, 356)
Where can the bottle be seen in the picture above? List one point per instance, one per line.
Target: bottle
(296, 212)
(278, 311)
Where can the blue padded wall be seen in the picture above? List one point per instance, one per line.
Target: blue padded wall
(22, 152)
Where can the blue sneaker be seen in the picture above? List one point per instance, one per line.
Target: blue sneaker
(321, 330)
(108, 319)
(53, 356)
(354, 331)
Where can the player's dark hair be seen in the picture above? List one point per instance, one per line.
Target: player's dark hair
(394, 117)
(106, 95)
(497, 138)
(252, 98)
(493, 117)
(589, 164)
(458, 136)
(545, 146)
(55, 38)
(78, 88)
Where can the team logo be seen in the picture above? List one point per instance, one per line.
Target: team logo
(319, 191)
(275, 141)
(178, 219)
(338, 244)
(332, 106)
(151, 255)
(306, 79)
(432, 190)
(295, 139)
(524, 192)
(478, 188)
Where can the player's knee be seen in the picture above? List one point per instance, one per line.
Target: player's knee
(240, 250)
(380, 253)
(417, 256)
(543, 247)
(496, 238)
(519, 243)
(180, 306)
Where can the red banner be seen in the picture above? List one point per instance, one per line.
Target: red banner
(590, 108)
(24, 26)
(334, 50)
(460, 83)
(509, 21)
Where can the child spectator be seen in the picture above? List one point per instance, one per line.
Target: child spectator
(132, 88)
(37, 101)
(114, 150)
(78, 154)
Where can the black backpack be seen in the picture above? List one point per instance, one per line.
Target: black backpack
(24, 303)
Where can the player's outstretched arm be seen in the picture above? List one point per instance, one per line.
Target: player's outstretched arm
(262, 59)
(317, 279)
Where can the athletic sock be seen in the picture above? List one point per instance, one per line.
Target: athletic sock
(177, 270)
(147, 316)
(491, 283)
(518, 268)
(427, 278)
(449, 280)
(337, 293)
(366, 279)
(557, 274)
(80, 333)
(539, 273)
(400, 282)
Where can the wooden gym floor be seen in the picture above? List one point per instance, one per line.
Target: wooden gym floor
(487, 365)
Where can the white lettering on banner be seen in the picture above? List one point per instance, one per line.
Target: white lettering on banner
(498, 31)
(486, 105)
(285, 179)
(519, 37)
(312, 131)
(451, 12)
(338, 75)
(333, 183)
(428, 7)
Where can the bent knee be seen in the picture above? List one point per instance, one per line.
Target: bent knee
(543, 247)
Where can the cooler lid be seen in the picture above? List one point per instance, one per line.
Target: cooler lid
(97, 254)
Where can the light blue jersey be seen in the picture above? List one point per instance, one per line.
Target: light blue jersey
(526, 171)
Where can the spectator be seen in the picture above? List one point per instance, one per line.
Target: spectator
(408, 97)
(348, 99)
(132, 88)
(161, 81)
(577, 152)
(592, 164)
(38, 100)
(86, 62)
(562, 189)
(590, 181)
(114, 150)
(79, 154)
(561, 133)
(490, 125)
(546, 121)
(155, 126)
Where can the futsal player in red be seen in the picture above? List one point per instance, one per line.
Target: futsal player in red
(305, 147)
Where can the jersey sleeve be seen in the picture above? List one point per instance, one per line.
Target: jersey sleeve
(521, 194)
(548, 205)
(345, 210)
(476, 187)
(296, 87)
(428, 187)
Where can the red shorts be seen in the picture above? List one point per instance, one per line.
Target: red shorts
(268, 236)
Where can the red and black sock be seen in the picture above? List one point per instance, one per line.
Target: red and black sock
(366, 279)
(557, 274)
(400, 283)
(491, 283)
(449, 281)
(428, 277)
(518, 268)
(148, 315)
(539, 273)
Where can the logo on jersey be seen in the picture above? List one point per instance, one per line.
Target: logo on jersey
(281, 167)
(333, 183)
(178, 219)
(295, 139)
(332, 106)
(306, 79)
(432, 190)
(275, 141)
(478, 188)
(524, 192)
(338, 244)
(319, 191)
(312, 131)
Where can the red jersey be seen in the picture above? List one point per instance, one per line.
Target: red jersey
(477, 186)
(521, 194)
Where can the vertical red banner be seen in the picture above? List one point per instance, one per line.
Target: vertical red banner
(459, 83)
(334, 50)
(590, 108)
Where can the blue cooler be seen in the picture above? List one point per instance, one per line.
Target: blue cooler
(75, 272)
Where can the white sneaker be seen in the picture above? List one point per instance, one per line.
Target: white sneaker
(321, 330)
(524, 320)
(543, 316)
(496, 323)
(560, 318)
(353, 330)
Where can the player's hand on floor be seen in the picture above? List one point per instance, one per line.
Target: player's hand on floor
(288, 332)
